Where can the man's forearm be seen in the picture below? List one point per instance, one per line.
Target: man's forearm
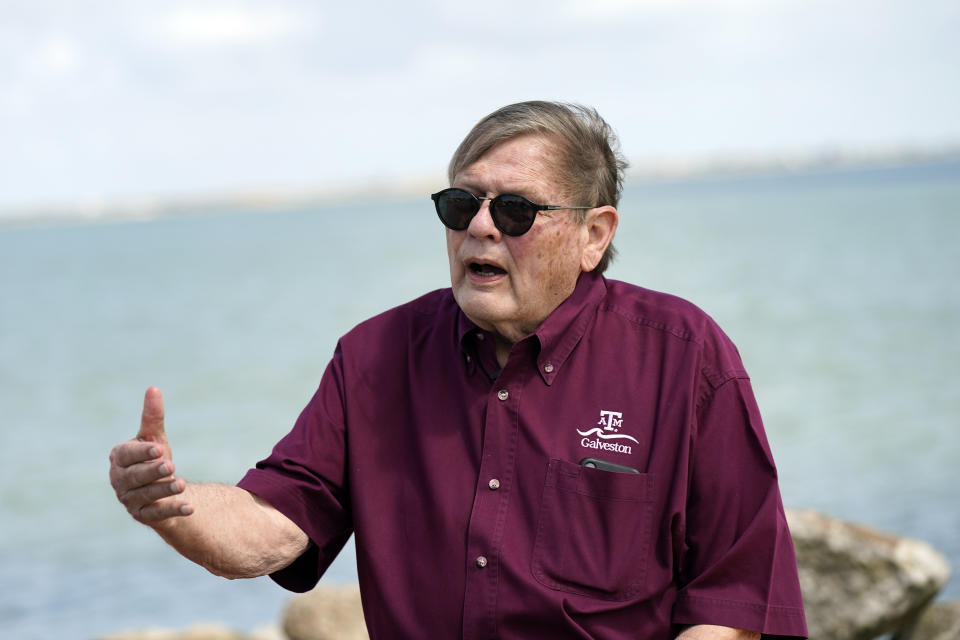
(233, 533)
(713, 632)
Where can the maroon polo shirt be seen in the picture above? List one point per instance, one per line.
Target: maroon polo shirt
(473, 513)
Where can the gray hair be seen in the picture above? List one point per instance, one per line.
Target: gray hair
(590, 165)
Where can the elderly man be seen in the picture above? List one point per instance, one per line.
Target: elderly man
(536, 452)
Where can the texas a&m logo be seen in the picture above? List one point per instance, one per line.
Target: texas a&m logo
(606, 438)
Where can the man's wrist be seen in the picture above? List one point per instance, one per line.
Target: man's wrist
(715, 632)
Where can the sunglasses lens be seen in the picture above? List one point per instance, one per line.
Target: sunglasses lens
(513, 215)
(456, 208)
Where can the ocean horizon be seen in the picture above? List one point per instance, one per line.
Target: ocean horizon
(926, 160)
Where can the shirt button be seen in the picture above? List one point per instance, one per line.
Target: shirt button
(468, 358)
(479, 336)
(503, 394)
(481, 562)
(494, 484)
(548, 368)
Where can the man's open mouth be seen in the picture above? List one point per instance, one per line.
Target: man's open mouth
(486, 270)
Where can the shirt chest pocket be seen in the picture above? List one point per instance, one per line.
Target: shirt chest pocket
(593, 535)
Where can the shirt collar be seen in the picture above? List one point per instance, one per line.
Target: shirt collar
(563, 329)
(464, 326)
(467, 331)
(558, 334)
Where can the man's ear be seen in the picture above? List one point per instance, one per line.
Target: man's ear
(601, 224)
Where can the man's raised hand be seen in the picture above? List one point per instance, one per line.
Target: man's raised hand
(141, 470)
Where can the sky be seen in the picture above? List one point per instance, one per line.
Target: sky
(110, 99)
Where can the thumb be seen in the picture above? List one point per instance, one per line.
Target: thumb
(151, 421)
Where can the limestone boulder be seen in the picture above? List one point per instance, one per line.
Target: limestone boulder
(326, 613)
(859, 583)
(940, 621)
(198, 631)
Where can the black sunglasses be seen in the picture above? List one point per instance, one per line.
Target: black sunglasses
(512, 214)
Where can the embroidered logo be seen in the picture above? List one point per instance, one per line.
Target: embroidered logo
(605, 438)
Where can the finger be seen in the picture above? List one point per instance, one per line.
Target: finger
(134, 451)
(135, 476)
(136, 499)
(151, 421)
(171, 507)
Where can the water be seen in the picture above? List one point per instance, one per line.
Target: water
(841, 290)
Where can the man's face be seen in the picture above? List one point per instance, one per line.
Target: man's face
(505, 284)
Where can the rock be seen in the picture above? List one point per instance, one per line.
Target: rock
(268, 632)
(859, 583)
(199, 631)
(326, 613)
(940, 621)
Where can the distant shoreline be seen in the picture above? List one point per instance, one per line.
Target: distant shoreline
(649, 170)
(762, 165)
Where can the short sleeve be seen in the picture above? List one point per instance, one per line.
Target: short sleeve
(738, 568)
(305, 479)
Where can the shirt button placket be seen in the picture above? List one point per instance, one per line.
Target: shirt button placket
(486, 518)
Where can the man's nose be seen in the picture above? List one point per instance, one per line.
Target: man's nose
(481, 225)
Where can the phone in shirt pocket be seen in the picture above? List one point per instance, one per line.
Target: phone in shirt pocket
(594, 531)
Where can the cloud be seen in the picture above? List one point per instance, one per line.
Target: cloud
(112, 97)
(54, 55)
(611, 11)
(228, 25)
